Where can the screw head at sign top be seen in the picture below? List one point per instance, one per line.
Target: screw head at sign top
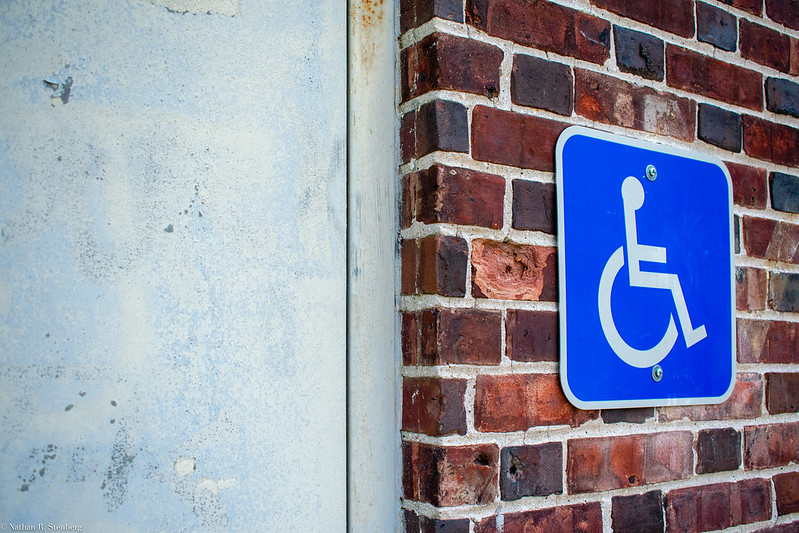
(657, 373)
(651, 172)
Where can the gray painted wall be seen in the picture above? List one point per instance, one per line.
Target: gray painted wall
(172, 264)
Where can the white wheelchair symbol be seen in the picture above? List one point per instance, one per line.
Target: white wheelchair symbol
(632, 193)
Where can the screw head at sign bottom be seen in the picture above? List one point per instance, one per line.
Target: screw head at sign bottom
(651, 172)
(657, 373)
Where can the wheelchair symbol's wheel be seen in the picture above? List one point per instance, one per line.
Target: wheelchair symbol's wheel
(628, 354)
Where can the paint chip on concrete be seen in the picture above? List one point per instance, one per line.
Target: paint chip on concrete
(185, 465)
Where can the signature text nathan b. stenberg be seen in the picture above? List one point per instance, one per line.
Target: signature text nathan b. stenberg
(41, 527)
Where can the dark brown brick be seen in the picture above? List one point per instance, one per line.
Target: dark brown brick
(749, 187)
(716, 26)
(767, 341)
(718, 450)
(765, 46)
(613, 101)
(513, 139)
(752, 6)
(770, 141)
(534, 206)
(459, 196)
(784, 292)
(784, 192)
(674, 16)
(433, 406)
(718, 506)
(411, 329)
(606, 463)
(720, 127)
(442, 61)
(782, 96)
(786, 488)
(792, 527)
(771, 239)
(543, 25)
(446, 476)
(577, 518)
(531, 335)
(442, 265)
(751, 288)
(436, 126)
(744, 403)
(461, 336)
(508, 271)
(640, 513)
(414, 13)
(409, 257)
(639, 53)
(531, 471)
(786, 12)
(536, 82)
(768, 446)
(700, 74)
(629, 415)
(516, 402)
(782, 393)
(415, 523)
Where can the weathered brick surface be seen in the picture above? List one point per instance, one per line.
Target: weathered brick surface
(782, 96)
(749, 185)
(438, 125)
(536, 82)
(607, 463)
(460, 336)
(456, 196)
(543, 25)
(513, 139)
(744, 403)
(786, 488)
(718, 450)
(450, 475)
(531, 335)
(751, 288)
(716, 26)
(694, 72)
(792, 527)
(414, 13)
(720, 127)
(675, 16)
(782, 392)
(771, 239)
(508, 271)
(639, 53)
(415, 523)
(578, 518)
(765, 46)
(535, 470)
(784, 11)
(534, 206)
(784, 192)
(612, 101)
(637, 415)
(516, 402)
(640, 513)
(771, 445)
(441, 266)
(784, 291)
(411, 331)
(718, 506)
(433, 406)
(441, 61)
(767, 341)
(773, 142)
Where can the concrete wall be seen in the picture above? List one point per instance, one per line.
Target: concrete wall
(172, 264)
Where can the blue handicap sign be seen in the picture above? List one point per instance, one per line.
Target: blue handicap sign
(645, 251)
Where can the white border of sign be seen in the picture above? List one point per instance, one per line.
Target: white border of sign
(637, 143)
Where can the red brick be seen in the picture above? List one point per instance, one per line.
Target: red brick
(713, 78)
(408, 205)
(534, 206)
(767, 341)
(507, 271)
(613, 101)
(462, 336)
(767, 446)
(517, 402)
(771, 239)
(718, 450)
(770, 141)
(513, 139)
(786, 487)
(531, 335)
(409, 262)
(752, 6)
(446, 476)
(782, 393)
(442, 265)
(442, 61)
(543, 25)
(749, 187)
(433, 406)
(765, 46)
(674, 16)
(531, 471)
(640, 513)
(459, 196)
(578, 518)
(436, 126)
(411, 330)
(786, 12)
(792, 527)
(751, 288)
(414, 13)
(744, 403)
(718, 506)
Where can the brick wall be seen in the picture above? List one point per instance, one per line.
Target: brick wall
(489, 441)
